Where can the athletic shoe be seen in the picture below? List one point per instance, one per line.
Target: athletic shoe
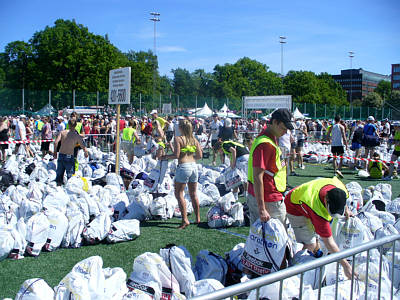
(338, 173)
(387, 178)
(302, 167)
(293, 174)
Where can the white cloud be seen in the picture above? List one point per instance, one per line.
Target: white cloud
(171, 49)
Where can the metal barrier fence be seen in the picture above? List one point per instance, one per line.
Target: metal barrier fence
(256, 284)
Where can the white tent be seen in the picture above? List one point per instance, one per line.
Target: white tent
(204, 112)
(224, 112)
(46, 110)
(297, 114)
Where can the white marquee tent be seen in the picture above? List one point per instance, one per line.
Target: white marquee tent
(224, 112)
(204, 112)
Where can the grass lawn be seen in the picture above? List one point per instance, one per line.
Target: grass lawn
(52, 267)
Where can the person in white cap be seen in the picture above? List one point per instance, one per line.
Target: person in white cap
(60, 126)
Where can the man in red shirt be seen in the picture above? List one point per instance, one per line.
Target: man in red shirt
(267, 172)
(310, 208)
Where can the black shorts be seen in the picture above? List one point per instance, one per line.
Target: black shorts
(300, 143)
(337, 150)
(215, 144)
(45, 146)
(169, 135)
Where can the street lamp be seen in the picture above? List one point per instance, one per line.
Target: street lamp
(351, 55)
(155, 18)
(282, 40)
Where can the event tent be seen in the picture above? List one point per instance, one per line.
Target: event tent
(298, 115)
(204, 112)
(224, 112)
(46, 110)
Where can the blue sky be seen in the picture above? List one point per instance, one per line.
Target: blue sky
(202, 34)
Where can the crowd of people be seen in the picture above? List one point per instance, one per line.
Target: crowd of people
(266, 151)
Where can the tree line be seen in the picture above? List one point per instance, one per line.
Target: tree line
(67, 56)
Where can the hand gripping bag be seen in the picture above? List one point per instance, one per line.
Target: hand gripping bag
(265, 247)
(123, 230)
(73, 235)
(98, 229)
(36, 234)
(85, 281)
(35, 289)
(180, 265)
(210, 266)
(58, 227)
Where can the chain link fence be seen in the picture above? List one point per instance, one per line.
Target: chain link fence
(17, 101)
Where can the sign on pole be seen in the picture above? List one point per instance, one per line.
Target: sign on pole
(119, 87)
(119, 92)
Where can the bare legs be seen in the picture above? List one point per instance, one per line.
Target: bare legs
(179, 191)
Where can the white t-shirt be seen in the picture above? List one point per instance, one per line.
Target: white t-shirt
(337, 139)
(284, 140)
(214, 127)
(20, 127)
(299, 130)
(60, 127)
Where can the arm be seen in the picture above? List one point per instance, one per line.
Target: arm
(344, 136)
(333, 248)
(199, 151)
(258, 185)
(233, 157)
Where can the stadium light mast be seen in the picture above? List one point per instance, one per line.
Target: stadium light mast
(351, 55)
(155, 18)
(282, 40)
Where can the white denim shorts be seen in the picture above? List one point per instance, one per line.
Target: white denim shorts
(186, 172)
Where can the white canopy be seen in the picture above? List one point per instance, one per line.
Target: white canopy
(224, 112)
(297, 114)
(224, 108)
(205, 111)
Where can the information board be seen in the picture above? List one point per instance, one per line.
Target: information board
(119, 87)
(268, 102)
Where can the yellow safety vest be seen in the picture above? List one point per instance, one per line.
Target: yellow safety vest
(232, 142)
(161, 121)
(375, 169)
(78, 127)
(397, 138)
(128, 134)
(280, 176)
(40, 125)
(308, 193)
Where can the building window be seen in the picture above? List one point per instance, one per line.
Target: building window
(396, 69)
(396, 85)
(396, 77)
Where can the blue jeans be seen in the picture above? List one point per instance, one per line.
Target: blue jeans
(65, 163)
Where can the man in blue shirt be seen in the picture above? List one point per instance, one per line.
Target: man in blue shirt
(371, 138)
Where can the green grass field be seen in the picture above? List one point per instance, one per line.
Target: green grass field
(52, 267)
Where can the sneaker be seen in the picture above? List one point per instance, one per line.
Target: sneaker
(302, 167)
(338, 173)
(387, 178)
(293, 174)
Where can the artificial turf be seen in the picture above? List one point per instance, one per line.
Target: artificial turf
(155, 234)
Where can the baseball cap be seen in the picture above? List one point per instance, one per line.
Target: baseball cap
(336, 201)
(371, 118)
(284, 115)
(154, 111)
(60, 118)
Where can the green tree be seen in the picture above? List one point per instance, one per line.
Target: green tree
(330, 91)
(373, 100)
(303, 86)
(384, 89)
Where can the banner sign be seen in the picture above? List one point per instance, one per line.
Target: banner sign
(167, 108)
(268, 102)
(119, 86)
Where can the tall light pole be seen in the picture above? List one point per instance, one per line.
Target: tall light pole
(282, 40)
(155, 18)
(351, 55)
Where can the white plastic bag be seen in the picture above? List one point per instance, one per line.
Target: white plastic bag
(123, 230)
(6, 243)
(58, 227)
(35, 289)
(205, 286)
(115, 283)
(98, 229)
(234, 178)
(73, 235)
(311, 277)
(37, 233)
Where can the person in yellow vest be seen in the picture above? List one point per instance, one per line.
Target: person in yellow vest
(396, 151)
(267, 171)
(38, 125)
(129, 137)
(158, 124)
(239, 158)
(79, 129)
(310, 209)
(377, 169)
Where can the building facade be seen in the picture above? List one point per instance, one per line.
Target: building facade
(358, 83)
(395, 76)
